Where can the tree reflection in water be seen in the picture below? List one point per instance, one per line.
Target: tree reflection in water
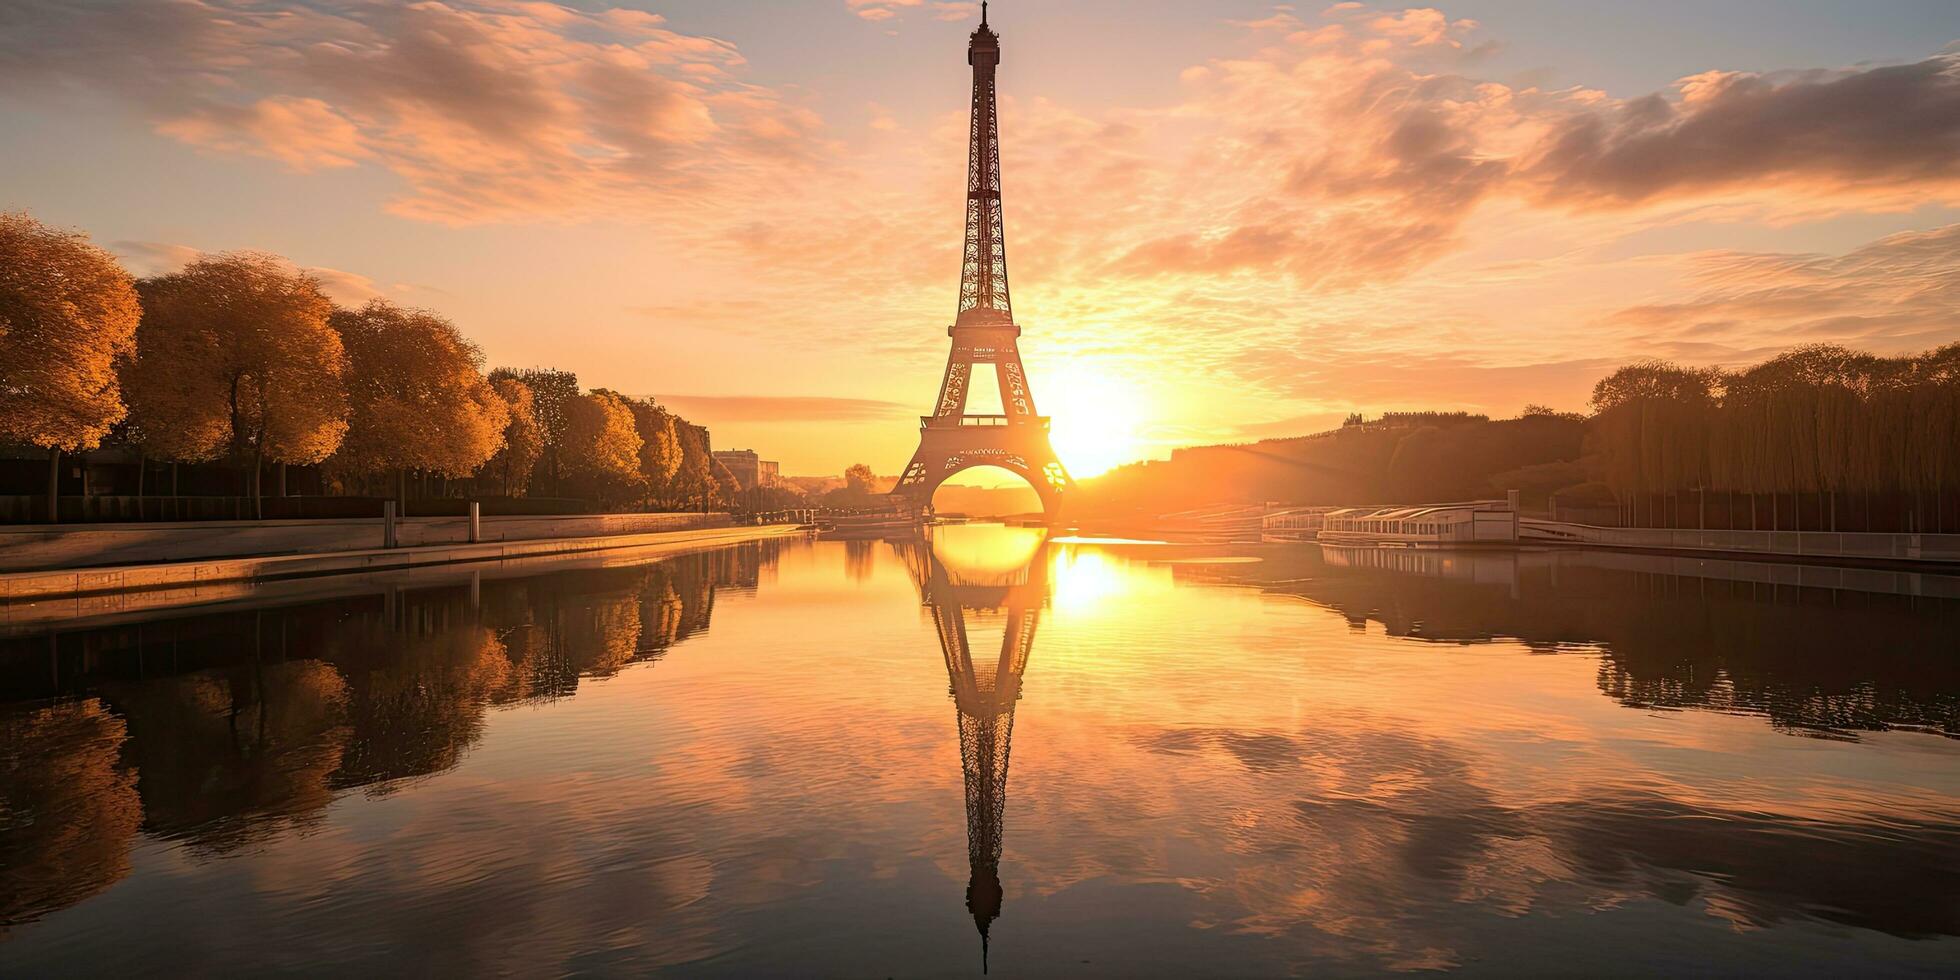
(231, 729)
(68, 807)
(1221, 771)
(1816, 661)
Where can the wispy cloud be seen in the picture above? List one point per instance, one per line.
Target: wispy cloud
(489, 110)
(784, 408)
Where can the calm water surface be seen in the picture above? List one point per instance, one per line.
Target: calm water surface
(858, 758)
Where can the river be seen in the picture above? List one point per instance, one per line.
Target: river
(892, 758)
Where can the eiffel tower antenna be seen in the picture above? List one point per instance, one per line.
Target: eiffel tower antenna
(984, 333)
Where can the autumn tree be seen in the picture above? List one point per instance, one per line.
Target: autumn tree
(68, 313)
(551, 391)
(523, 438)
(660, 446)
(416, 395)
(694, 482)
(858, 478)
(258, 350)
(601, 446)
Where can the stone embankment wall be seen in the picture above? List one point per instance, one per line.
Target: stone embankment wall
(36, 547)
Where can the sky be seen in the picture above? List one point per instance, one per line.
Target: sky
(1225, 221)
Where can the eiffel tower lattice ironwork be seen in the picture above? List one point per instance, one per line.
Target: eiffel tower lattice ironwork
(984, 334)
(985, 690)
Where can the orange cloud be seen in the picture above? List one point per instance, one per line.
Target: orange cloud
(490, 110)
(1897, 293)
(711, 409)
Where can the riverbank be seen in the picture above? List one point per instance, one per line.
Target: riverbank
(71, 593)
(47, 547)
(1830, 547)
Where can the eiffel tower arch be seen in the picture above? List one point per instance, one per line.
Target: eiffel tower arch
(984, 335)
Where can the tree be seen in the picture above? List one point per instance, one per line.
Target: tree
(551, 390)
(255, 329)
(694, 482)
(68, 314)
(601, 446)
(416, 394)
(660, 447)
(858, 478)
(523, 438)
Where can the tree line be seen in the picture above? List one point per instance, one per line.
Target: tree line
(1819, 438)
(240, 358)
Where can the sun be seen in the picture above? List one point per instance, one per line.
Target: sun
(1095, 420)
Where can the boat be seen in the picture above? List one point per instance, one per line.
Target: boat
(1473, 522)
(873, 525)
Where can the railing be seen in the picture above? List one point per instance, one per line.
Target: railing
(964, 421)
(1822, 544)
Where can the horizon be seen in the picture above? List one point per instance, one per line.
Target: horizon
(1227, 225)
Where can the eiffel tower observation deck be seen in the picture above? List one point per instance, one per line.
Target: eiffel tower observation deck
(984, 333)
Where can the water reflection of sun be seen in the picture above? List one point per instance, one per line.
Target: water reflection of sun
(1085, 578)
(984, 552)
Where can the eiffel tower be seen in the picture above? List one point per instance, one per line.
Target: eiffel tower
(984, 333)
(984, 693)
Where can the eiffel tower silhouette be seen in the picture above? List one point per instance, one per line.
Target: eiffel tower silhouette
(984, 693)
(984, 333)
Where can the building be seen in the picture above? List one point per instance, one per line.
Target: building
(751, 471)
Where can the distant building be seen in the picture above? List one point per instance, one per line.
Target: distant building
(751, 471)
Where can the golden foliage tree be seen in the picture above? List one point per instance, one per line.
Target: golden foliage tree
(253, 334)
(68, 314)
(417, 397)
(858, 478)
(694, 482)
(523, 438)
(601, 445)
(660, 446)
(551, 391)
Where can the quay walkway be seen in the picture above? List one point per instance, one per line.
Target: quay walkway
(191, 582)
(1812, 545)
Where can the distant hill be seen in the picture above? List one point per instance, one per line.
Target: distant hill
(1410, 457)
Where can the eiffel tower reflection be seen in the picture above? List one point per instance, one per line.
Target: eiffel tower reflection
(984, 691)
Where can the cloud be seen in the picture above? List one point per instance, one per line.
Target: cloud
(1838, 133)
(304, 134)
(1353, 151)
(879, 10)
(1901, 292)
(713, 409)
(348, 289)
(488, 110)
(154, 258)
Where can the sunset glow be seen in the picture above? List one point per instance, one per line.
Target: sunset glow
(1096, 420)
(1102, 488)
(1253, 219)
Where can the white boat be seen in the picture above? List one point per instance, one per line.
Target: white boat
(1472, 522)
